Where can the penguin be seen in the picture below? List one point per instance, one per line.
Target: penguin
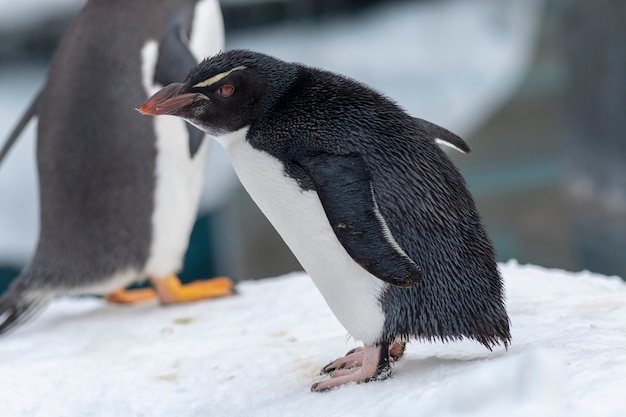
(118, 197)
(363, 195)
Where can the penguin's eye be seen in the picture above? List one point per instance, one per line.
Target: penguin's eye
(226, 90)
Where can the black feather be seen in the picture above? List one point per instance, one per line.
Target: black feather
(321, 125)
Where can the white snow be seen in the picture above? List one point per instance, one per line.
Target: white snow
(257, 354)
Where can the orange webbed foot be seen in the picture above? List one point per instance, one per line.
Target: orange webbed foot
(170, 290)
(137, 295)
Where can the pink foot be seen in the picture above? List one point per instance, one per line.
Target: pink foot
(354, 358)
(374, 366)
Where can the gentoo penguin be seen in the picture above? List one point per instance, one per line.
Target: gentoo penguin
(118, 196)
(370, 205)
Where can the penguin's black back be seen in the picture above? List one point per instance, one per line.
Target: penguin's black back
(420, 194)
(96, 155)
(95, 166)
(461, 294)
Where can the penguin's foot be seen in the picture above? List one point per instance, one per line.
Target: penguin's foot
(375, 365)
(171, 290)
(354, 358)
(137, 295)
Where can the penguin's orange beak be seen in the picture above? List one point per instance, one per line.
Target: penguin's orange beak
(167, 101)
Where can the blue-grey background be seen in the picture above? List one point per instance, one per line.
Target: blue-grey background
(507, 75)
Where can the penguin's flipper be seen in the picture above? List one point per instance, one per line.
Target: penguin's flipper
(171, 290)
(29, 114)
(441, 135)
(174, 63)
(344, 187)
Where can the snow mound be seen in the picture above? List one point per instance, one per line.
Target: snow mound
(257, 354)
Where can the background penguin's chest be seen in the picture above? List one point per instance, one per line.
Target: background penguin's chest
(178, 186)
(298, 216)
(178, 176)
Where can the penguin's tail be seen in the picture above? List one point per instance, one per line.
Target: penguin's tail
(32, 110)
(441, 135)
(18, 305)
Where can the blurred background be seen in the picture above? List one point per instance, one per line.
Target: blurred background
(536, 87)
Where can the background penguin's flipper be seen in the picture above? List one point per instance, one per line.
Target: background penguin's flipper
(175, 58)
(174, 63)
(32, 110)
(441, 135)
(343, 185)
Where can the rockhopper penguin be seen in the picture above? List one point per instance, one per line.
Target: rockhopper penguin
(118, 192)
(361, 192)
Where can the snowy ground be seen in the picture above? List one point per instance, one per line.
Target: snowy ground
(258, 353)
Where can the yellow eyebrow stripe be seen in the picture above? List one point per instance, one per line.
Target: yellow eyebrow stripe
(218, 77)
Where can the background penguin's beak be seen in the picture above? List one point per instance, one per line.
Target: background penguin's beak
(167, 101)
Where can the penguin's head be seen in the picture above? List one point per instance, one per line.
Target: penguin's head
(226, 92)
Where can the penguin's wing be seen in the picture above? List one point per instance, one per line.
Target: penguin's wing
(441, 135)
(174, 63)
(344, 187)
(29, 114)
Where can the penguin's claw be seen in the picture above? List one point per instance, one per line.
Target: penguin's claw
(352, 359)
(171, 290)
(138, 295)
(370, 369)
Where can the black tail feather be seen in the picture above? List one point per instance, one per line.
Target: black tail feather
(17, 308)
(442, 135)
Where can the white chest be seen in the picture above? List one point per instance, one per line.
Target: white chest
(179, 177)
(207, 31)
(179, 181)
(351, 292)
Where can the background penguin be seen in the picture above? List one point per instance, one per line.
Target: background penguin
(118, 196)
(359, 190)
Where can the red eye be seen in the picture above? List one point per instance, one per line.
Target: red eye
(226, 90)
